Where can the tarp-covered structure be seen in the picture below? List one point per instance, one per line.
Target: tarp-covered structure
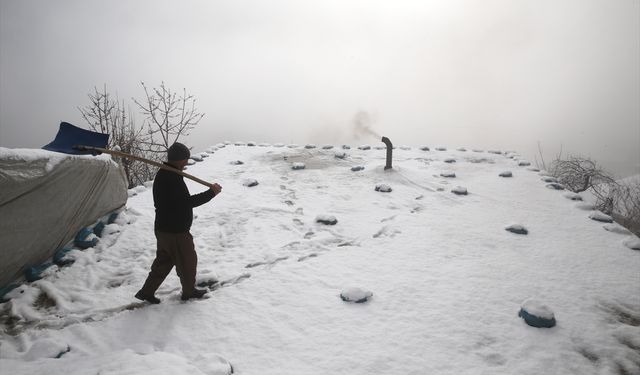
(46, 198)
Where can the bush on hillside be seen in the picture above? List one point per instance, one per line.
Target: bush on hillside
(621, 200)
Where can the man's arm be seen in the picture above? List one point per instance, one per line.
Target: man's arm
(204, 197)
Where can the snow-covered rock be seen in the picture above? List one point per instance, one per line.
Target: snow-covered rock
(278, 145)
(449, 160)
(310, 146)
(356, 295)
(599, 216)
(460, 190)
(523, 163)
(250, 182)
(555, 186)
(340, 155)
(633, 243)
(251, 144)
(462, 149)
(191, 161)
(549, 179)
(425, 148)
(236, 162)
(448, 174)
(357, 168)
(327, 147)
(346, 147)
(298, 166)
(383, 188)
(506, 174)
(326, 219)
(616, 228)
(197, 157)
(440, 148)
(364, 147)
(537, 314)
(517, 229)
(573, 196)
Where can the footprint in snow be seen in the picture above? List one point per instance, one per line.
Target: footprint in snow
(303, 258)
(266, 262)
(387, 232)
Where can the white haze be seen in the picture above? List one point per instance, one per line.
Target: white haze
(486, 74)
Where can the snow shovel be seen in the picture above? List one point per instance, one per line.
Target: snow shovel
(77, 141)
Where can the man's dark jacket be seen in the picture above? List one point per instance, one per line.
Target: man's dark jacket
(174, 205)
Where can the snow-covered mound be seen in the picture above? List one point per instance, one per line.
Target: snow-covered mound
(448, 278)
(537, 314)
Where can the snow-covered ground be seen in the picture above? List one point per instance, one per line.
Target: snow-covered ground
(447, 280)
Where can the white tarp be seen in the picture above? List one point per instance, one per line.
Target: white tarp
(46, 198)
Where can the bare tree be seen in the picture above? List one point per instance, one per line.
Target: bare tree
(167, 116)
(540, 164)
(107, 115)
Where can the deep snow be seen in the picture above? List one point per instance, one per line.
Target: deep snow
(447, 279)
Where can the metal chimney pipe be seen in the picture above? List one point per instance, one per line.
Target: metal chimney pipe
(389, 152)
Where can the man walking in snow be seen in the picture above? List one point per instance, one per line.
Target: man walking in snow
(174, 215)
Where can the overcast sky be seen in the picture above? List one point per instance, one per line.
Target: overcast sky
(501, 74)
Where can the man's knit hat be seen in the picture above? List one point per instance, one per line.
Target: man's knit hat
(178, 151)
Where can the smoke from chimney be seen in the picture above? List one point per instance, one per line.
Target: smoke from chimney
(362, 126)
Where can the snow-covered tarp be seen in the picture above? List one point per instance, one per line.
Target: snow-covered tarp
(45, 198)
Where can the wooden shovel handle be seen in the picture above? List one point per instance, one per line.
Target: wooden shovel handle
(138, 158)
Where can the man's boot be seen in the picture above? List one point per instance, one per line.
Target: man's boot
(197, 294)
(143, 297)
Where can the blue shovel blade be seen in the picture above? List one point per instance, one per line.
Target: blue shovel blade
(69, 136)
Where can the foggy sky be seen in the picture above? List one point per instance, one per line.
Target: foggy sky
(500, 74)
